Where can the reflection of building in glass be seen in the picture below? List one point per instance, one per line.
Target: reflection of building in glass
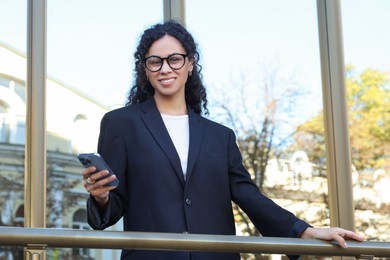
(72, 126)
(301, 187)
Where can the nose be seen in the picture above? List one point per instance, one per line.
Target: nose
(165, 68)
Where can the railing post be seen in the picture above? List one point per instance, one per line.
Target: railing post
(35, 252)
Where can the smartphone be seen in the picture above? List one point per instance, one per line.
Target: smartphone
(94, 159)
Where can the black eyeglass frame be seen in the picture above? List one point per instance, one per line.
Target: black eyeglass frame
(167, 59)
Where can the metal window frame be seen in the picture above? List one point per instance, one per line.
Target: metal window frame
(174, 10)
(336, 124)
(35, 150)
(335, 113)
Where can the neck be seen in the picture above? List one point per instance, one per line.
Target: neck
(171, 107)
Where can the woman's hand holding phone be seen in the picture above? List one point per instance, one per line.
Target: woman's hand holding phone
(97, 185)
(99, 179)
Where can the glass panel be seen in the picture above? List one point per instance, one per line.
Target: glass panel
(13, 31)
(261, 65)
(367, 55)
(90, 45)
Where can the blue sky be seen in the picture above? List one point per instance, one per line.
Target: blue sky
(90, 43)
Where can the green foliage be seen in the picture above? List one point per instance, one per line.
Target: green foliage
(368, 105)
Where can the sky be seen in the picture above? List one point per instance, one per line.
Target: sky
(90, 43)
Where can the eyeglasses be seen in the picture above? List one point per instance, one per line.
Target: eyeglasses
(176, 61)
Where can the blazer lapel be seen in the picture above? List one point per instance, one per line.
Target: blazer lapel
(196, 135)
(153, 121)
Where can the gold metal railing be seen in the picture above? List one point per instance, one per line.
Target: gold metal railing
(70, 238)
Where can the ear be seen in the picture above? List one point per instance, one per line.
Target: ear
(191, 67)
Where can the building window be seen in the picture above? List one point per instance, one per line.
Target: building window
(5, 131)
(19, 216)
(80, 222)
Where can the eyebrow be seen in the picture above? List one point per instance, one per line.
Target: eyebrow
(165, 56)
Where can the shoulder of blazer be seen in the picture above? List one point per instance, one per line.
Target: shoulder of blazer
(123, 112)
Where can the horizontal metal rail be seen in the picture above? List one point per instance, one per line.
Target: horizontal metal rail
(72, 238)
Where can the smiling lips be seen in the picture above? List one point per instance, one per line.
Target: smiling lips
(167, 81)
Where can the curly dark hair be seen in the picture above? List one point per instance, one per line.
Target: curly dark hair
(195, 92)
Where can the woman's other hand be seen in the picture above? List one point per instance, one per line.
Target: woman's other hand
(337, 234)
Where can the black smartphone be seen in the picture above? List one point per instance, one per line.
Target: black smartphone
(94, 159)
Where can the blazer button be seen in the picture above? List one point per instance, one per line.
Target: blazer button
(188, 201)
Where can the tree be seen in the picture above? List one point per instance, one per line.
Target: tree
(368, 104)
(257, 109)
(369, 118)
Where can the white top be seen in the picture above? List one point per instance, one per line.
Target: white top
(178, 129)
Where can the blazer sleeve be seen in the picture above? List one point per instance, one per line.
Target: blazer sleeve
(111, 148)
(269, 218)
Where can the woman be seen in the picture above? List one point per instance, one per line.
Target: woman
(178, 171)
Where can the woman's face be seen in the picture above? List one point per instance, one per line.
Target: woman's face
(168, 82)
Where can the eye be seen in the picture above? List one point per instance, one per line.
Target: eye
(175, 59)
(153, 61)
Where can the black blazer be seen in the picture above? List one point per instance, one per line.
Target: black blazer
(154, 197)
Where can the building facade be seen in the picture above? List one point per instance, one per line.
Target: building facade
(72, 131)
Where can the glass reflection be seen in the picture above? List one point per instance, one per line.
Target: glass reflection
(89, 65)
(13, 32)
(368, 88)
(262, 70)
